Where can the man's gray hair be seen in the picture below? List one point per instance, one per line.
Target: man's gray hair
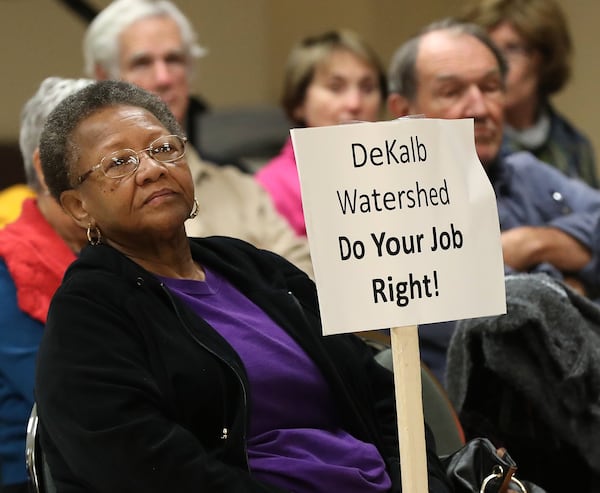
(402, 75)
(52, 91)
(101, 40)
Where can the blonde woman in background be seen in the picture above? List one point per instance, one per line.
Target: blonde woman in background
(329, 79)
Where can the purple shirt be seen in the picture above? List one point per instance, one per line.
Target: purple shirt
(294, 440)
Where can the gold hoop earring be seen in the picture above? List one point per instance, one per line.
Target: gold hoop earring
(94, 238)
(195, 210)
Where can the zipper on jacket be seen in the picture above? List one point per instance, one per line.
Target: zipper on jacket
(225, 430)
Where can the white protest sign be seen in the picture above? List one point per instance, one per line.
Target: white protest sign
(402, 223)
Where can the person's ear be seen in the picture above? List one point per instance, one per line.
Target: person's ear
(398, 105)
(37, 166)
(100, 73)
(71, 202)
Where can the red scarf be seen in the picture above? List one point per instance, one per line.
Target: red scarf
(36, 257)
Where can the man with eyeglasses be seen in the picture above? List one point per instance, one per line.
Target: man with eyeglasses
(152, 44)
(549, 222)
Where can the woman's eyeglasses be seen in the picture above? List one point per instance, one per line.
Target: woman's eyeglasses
(119, 164)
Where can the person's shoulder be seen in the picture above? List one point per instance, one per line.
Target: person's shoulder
(224, 172)
(102, 265)
(280, 174)
(233, 250)
(239, 254)
(524, 163)
(229, 172)
(202, 167)
(520, 158)
(217, 242)
(284, 159)
(562, 127)
(529, 173)
(277, 169)
(229, 180)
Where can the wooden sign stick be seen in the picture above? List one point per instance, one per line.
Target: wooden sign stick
(409, 404)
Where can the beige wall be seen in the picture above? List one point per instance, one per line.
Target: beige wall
(248, 41)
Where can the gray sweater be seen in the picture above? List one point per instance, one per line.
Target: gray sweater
(548, 347)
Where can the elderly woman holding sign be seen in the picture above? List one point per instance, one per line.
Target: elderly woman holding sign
(177, 364)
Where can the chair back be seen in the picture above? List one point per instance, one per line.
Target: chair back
(37, 467)
(438, 410)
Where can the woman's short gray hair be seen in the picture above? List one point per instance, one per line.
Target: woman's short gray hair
(58, 153)
(101, 41)
(52, 91)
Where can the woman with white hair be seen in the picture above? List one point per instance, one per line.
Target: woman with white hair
(35, 251)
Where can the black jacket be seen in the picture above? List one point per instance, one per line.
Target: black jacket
(137, 393)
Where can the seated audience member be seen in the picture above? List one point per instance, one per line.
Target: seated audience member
(549, 222)
(35, 251)
(534, 38)
(329, 79)
(178, 364)
(152, 44)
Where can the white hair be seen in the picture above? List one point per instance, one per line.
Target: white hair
(101, 40)
(34, 114)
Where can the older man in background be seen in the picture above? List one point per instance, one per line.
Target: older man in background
(153, 45)
(549, 222)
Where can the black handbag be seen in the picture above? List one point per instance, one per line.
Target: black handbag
(479, 467)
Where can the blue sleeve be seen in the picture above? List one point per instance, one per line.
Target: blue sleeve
(582, 223)
(568, 204)
(20, 337)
